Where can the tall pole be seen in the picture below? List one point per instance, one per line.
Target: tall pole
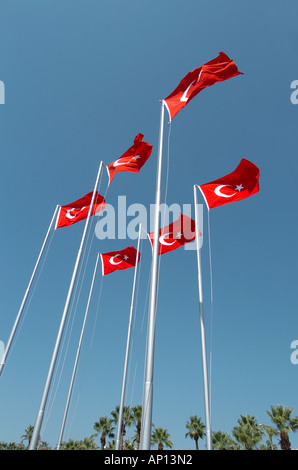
(120, 414)
(149, 362)
(40, 414)
(18, 318)
(77, 358)
(202, 324)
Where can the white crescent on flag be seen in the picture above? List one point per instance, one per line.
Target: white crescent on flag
(220, 194)
(126, 163)
(70, 216)
(184, 98)
(162, 239)
(112, 261)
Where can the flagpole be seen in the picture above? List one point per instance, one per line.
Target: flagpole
(77, 358)
(120, 414)
(202, 324)
(17, 320)
(149, 362)
(40, 415)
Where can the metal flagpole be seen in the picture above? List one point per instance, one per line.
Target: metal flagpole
(120, 414)
(40, 415)
(149, 362)
(202, 324)
(77, 358)
(17, 320)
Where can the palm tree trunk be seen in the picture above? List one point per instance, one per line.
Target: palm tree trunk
(123, 432)
(103, 441)
(284, 441)
(138, 434)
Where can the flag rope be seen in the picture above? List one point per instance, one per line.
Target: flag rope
(140, 335)
(211, 307)
(134, 316)
(94, 326)
(133, 329)
(87, 359)
(73, 312)
(211, 299)
(165, 198)
(31, 297)
(68, 329)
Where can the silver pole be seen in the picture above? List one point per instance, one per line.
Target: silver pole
(77, 359)
(202, 324)
(149, 362)
(120, 414)
(17, 320)
(40, 415)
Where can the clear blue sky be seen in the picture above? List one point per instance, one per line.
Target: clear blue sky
(81, 80)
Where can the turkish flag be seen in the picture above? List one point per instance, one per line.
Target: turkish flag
(217, 70)
(177, 234)
(241, 183)
(133, 159)
(78, 210)
(119, 260)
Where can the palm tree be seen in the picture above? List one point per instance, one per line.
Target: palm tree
(104, 426)
(137, 417)
(222, 441)
(87, 444)
(281, 417)
(111, 445)
(127, 420)
(128, 445)
(28, 434)
(248, 433)
(162, 438)
(11, 446)
(271, 432)
(195, 429)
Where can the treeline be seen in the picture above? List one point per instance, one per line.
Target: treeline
(248, 434)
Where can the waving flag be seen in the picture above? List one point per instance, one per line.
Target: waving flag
(217, 70)
(119, 260)
(78, 210)
(133, 159)
(177, 234)
(240, 184)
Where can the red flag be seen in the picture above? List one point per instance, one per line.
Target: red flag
(78, 210)
(241, 183)
(177, 234)
(119, 260)
(133, 159)
(217, 70)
